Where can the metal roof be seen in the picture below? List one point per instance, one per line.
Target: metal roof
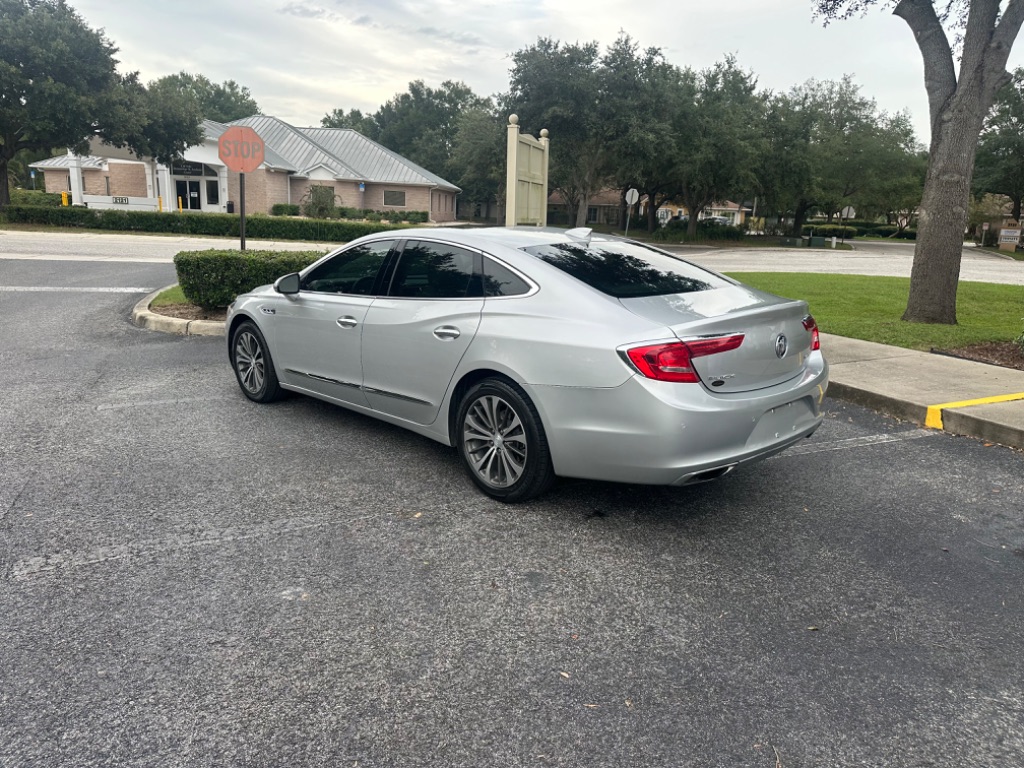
(344, 153)
(64, 162)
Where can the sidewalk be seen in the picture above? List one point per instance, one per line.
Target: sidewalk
(958, 396)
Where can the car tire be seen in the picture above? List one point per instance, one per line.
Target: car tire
(502, 443)
(252, 364)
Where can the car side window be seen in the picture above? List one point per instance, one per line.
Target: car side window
(353, 271)
(501, 281)
(434, 271)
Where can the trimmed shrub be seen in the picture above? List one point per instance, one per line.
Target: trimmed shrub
(675, 231)
(214, 278)
(830, 230)
(35, 197)
(284, 209)
(213, 224)
(318, 202)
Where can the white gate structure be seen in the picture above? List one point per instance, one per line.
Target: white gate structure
(526, 180)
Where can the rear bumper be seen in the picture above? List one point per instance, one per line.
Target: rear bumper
(657, 433)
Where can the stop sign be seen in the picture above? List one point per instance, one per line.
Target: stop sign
(240, 149)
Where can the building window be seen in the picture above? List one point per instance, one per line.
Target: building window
(106, 183)
(212, 192)
(592, 214)
(394, 197)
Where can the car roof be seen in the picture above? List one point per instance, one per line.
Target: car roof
(509, 237)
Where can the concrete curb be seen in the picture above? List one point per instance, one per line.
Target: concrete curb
(144, 318)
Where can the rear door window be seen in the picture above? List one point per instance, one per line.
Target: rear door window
(627, 270)
(499, 280)
(434, 271)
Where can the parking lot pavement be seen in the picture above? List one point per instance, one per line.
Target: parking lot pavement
(188, 578)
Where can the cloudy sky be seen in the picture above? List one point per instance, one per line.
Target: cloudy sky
(303, 58)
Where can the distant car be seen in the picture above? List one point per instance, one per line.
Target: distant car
(723, 221)
(540, 353)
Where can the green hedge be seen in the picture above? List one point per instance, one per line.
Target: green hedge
(676, 231)
(35, 197)
(284, 209)
(214, 278)
(216, 224)
(830, 230)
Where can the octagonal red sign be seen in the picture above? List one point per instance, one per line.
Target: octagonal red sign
(240, 149)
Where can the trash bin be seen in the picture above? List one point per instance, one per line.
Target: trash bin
(231, 206)
(819, 242)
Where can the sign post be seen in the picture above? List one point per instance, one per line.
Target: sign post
(241, 150)
(632, 195)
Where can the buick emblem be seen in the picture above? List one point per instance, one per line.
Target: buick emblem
(781, 345)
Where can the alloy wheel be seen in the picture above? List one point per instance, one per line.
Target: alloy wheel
(249, 362)
(495, 441)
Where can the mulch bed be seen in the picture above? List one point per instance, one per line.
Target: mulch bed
(1005, 353)
(190, 312)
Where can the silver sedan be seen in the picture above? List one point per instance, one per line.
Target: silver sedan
(540, 353)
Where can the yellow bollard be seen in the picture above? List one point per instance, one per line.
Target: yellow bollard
(64, 198)
(159, 204)
(180, 209)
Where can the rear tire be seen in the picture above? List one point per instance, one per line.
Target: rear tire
(502, 443)
(252, 364)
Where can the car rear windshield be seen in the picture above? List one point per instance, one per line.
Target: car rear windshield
(626, 270)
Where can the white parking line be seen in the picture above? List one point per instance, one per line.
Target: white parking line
(75, 289)
(854, 442)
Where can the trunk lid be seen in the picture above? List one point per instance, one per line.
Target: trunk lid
(775, 342)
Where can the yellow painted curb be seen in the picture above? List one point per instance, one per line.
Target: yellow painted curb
(933, 418)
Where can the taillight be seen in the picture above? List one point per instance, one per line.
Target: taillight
(673, 362)
(810, 325)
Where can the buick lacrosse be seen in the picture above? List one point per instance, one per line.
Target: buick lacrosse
(540, 353)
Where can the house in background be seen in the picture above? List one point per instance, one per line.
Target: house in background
(362, 173)
(602, 208)
(733, 213)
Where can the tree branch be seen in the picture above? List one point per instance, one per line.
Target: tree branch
(939, 73)
(1009, 24)
(981, 23)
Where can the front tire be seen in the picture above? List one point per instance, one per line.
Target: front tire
(253, 366)
(502, 443)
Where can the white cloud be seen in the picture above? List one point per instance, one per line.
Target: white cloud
(303, 58)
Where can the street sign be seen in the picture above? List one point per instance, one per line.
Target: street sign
(240, 149)
(632, 196)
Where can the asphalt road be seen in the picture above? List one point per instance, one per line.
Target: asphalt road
(190, 579)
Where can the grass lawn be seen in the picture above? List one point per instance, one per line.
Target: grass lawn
(869, 308)
(171, 296)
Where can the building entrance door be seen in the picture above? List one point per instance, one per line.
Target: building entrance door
(188, 193)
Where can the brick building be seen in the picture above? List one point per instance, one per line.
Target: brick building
(362, 173)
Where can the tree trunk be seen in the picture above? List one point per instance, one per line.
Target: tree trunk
(581, 211)
(1016, 209)
(943, 214)
(799, 216)
(5, 190)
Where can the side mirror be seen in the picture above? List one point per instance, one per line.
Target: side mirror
(288, 284)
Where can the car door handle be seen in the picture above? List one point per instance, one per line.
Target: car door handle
(446, 332)
(348, 321)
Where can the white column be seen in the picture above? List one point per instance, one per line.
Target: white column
(512, 170)
(75, 170)
(164, 188)
(150, 176)
(222, 182)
